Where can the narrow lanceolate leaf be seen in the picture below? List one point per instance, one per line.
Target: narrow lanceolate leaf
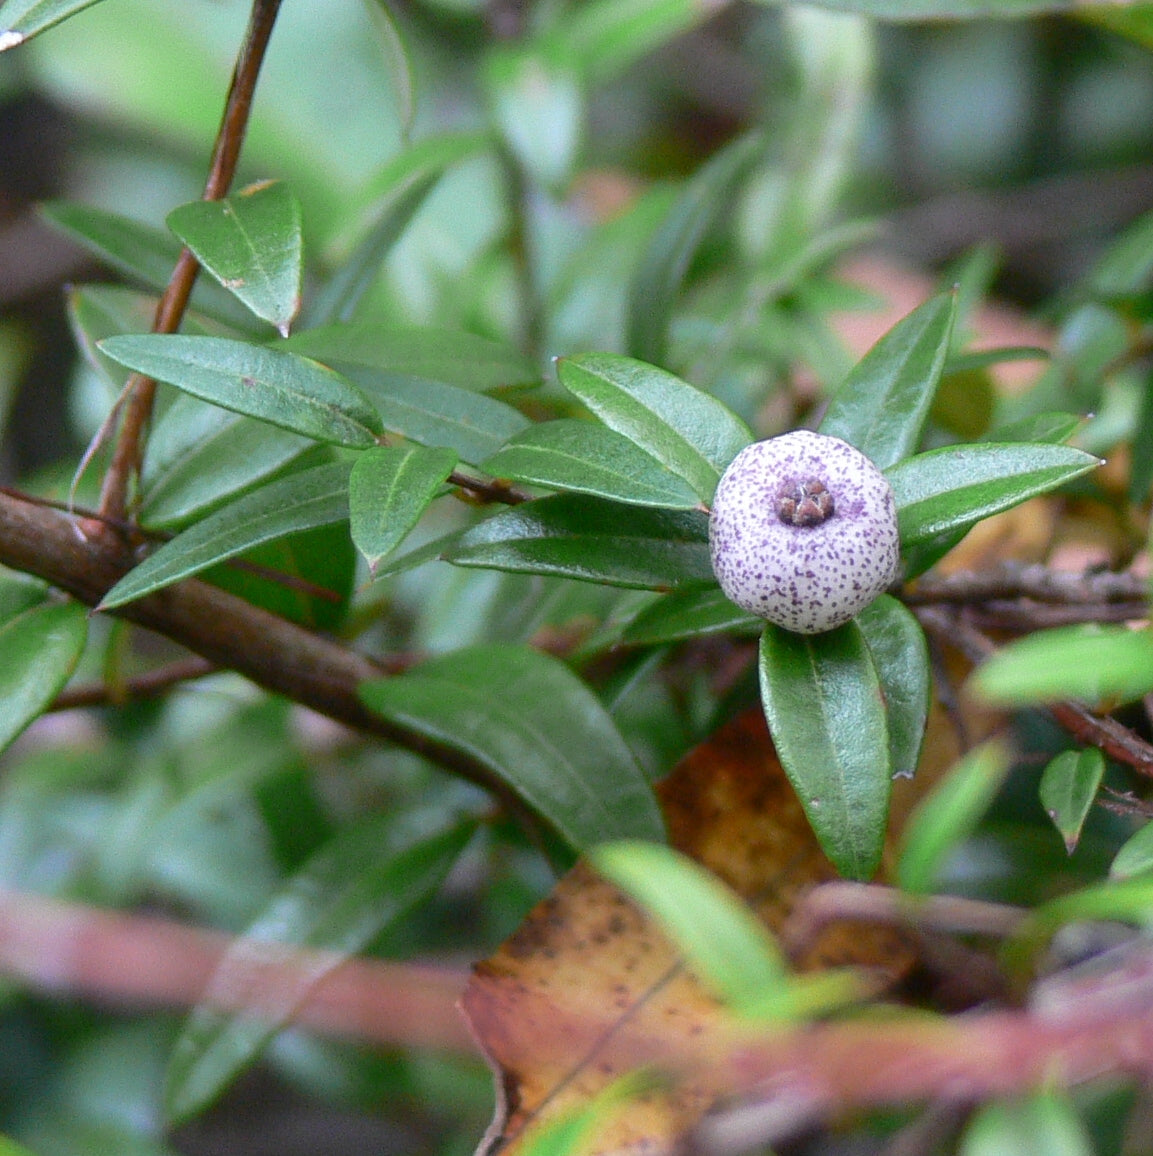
(725, 945)
(882, 406)
(825, 710)
(1089, 662)
(949, 489)
(39, 650)
(574, 536)
(251, 243)
(303, 501)
(537, 728)
(689, 432)
(588, 458)
(1068, 787)
(689, 614)
(944, 819)
(348, 894)
(22, 19)
(1045, 1121)
(389, 489)
(700, 206)
(1135, 856)
(901, 655)
(285, 389)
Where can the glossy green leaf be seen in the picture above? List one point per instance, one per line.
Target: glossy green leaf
(199, 455)
(882, 405)
(315, 497)
(1068, 787)
(471, 424)
(701, 205)
(725, 945)
(901, 655)
(39, 650)
(589, 458)
(575, 536)
(689, 613)
(389, 489)
(947, 816)
(1054, 427)
(1135, 856)
(251, 243)
(142, 252)
(285, 389)
(398, 190)
(537, 728)
(1086, 662)
(826, 713)
(1042, 1122)
(344, 897)
(952, 488)
(422, 353)
(22, 19)
(689, 432)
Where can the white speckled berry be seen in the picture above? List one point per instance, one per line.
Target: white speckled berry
(803, 531)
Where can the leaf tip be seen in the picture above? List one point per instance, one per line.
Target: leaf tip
(10, 38)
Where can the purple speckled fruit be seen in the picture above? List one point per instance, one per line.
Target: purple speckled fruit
(803, 531)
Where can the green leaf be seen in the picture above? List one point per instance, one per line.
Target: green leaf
(1053, 427)
(389, 489)
(1043, 1121)
(575, 536)
(901, 10)
(342, 899)
(1068, 787)
(20, 20)
(527, 718)
(422, 353)
(473, 425)
(399, 189)
(689, 432)
(882, 405)
(826, 713)
(1135, 856)
(950, 489)
(39, 650)
(396, 61)
(289, 391)
(946, 817)
(1127, 265)
(1086, 662)
(588, 458)
(301, 501)
(144, 253)
(251, 243)
(689, 614)
(723, 942)
(704, 202)
(199, 455)
(901, 655)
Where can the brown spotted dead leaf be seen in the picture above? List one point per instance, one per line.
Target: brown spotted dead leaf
(588, 988)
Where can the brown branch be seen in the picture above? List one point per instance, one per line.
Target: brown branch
(1038, 583)
(141, 390)
(143, 686)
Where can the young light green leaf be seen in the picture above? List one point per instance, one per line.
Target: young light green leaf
(947, 816)
(343, 898)
(389, 489)
(689, 432)
(689, 613)
(423, 353)
(574, 1131)
(20, 20)
(284, 389)
(723, 942)
(901, 655)
(199, 455)
(1068, 787)
(826, 713)
(251, 243)
(575, 536)
(882, 405)
(1086, 662)
(527, 718)
(952, 488)
(1043, 1121)
(301, 501)
(589, 458)
(1135, 856)
(39, 650)
(702, 204)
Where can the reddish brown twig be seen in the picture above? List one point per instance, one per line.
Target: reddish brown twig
(143, 686)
